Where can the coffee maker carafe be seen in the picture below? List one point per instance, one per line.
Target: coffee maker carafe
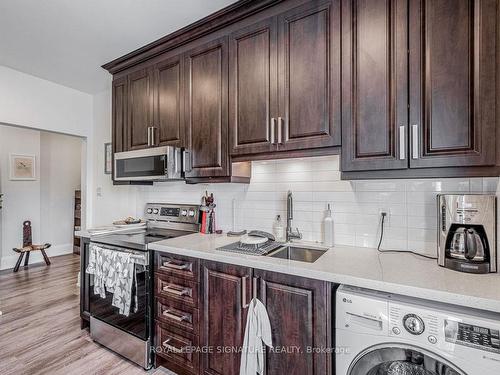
(467, 232)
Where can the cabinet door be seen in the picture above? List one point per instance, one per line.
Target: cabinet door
(168, 105)
(253, 88)
(119, 108)
(225, 291)
(140, 111)
(452, 70)
(309, 76)
(375, 84)
(299, 310)
(207, 110)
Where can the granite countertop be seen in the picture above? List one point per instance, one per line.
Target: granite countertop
(398, 273)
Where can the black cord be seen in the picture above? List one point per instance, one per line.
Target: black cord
(396, 251)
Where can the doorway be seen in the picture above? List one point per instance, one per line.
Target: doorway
(40, 175)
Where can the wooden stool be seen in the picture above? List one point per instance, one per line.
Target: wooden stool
(28, 247)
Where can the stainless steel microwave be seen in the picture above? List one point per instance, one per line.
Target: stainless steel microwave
(151, 164)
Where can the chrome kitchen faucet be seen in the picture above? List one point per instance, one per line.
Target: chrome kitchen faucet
(290, 234)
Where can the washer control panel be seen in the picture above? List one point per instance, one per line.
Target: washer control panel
(415, 324)
(472, 335)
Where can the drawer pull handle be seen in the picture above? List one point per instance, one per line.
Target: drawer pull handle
(182, 318)
(171, 347)
(172, 265)
(177, 292)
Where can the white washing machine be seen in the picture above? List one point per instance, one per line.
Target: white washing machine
(385, 334)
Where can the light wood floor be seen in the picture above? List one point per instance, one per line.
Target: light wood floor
(40, 325)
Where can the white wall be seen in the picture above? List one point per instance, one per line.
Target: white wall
(39, 104)
(21, 199)
(60, 161)
(48, 201)
(108, 202)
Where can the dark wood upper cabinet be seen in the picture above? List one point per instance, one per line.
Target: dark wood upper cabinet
(119, 117)
(206, 76)
(226, 289)
(374, 84)
(452, 74)
(140, 108)
(168, 104)
(253, 88)
(299, 310)
(309, 76)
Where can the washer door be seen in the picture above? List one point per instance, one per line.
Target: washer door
(396, 359)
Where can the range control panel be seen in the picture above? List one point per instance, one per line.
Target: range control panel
(173, 212)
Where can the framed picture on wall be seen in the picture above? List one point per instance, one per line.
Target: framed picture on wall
(22, 167)
(108, 158)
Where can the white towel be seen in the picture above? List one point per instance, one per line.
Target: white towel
(257, 332)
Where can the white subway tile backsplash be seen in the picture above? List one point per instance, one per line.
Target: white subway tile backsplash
(315, 183)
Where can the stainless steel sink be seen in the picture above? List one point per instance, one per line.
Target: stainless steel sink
(299, 253)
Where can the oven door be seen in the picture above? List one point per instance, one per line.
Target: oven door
(153, 164)
(137, 321)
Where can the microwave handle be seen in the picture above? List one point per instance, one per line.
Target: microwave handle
(186, 156)
(176, 161)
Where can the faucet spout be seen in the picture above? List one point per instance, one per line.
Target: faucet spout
(289, 217)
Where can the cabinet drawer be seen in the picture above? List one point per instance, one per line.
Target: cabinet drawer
(178, 266)
(180, 350)
(182, 290)
(177, 314)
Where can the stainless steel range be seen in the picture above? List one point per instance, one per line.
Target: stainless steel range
(130, 333)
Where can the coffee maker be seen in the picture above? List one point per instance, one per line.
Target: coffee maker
(467, 232)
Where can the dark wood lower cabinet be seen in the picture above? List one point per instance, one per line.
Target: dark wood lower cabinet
(299, 310)
(226, 289)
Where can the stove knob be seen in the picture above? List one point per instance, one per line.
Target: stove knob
(184, 213)
(191, 213)
(150, 211)
(414, 324)
(155, 211)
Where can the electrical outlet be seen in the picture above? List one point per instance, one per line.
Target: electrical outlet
(387, 214)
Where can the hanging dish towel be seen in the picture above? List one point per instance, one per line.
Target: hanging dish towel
(257, 333)
(115, 272)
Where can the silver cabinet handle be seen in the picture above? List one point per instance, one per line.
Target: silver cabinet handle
(280, 130)
(149, 136)
(177, 318)
(153, 136)
(171, 347)
(186, 161)
(174, 266)
(273, 125)
(177, 292)
(402, 143)
(414, 139)
(244, 303)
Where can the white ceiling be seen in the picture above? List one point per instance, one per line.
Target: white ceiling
(67, 41)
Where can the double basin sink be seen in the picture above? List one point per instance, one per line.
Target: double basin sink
(298, 253)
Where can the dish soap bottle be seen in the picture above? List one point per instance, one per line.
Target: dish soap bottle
(328, 228)
(278, 229)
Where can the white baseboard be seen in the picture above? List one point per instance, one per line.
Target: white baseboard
(7, 262)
